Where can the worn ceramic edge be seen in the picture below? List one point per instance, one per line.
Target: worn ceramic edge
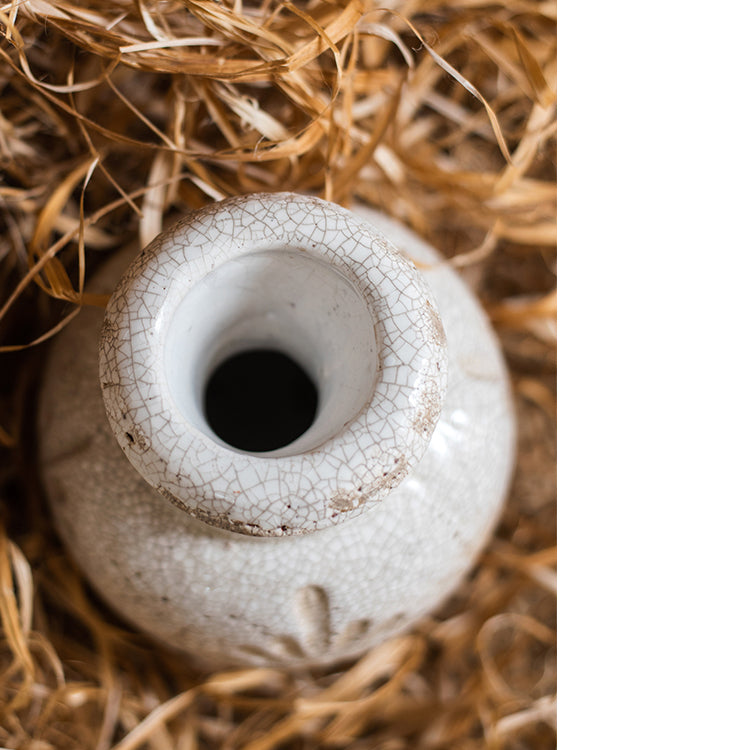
(247, 493)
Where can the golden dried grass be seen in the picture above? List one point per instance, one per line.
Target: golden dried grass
(116, 116)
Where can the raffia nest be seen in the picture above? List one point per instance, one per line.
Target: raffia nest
(116, 116)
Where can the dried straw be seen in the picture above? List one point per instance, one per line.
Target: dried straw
(117, 116)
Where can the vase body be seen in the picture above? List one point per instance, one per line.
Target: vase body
(350, 533)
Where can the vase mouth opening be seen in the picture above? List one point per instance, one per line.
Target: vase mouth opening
(272, 353)
(313, 283)
(260, 400)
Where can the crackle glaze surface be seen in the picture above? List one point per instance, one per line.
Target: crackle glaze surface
(255, 494)
(229, 598)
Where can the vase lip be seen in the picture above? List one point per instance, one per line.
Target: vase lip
(273, 495)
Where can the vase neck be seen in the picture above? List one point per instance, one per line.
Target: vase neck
(308, 299)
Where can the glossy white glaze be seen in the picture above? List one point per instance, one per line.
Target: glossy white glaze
(347, 570)
(359, 448)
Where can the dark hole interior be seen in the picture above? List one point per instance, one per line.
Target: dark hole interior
(260, 400)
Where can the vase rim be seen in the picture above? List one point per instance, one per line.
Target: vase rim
(251, 493)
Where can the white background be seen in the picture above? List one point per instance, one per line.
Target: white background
(654, 175)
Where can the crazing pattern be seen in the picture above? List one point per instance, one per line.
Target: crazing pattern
(253, 494)
(228, 599)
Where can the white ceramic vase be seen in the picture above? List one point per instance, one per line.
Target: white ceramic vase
(317, 542)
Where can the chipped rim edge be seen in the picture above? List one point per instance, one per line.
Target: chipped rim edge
(243, 492)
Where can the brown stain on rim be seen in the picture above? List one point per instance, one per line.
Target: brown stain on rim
(222, 520)
(435, 322)
(136, 439)
(428, 411)
(348, 500)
